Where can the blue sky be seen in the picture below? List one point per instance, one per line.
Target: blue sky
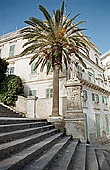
(95, 12)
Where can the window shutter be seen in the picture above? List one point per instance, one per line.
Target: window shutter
(102, 99)
(93, 97)
(85, 94)
(47, 93)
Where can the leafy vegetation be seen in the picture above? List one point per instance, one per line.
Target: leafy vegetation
(3, 69)
(10, 86)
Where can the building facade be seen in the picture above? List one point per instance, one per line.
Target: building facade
(94, 92)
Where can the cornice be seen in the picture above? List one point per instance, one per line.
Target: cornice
(94, 86)
(10, 36)
(87, 58)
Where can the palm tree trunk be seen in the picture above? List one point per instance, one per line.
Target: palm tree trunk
(55, 108)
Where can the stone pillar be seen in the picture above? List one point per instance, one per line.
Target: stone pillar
(74, 117)
(31, 104)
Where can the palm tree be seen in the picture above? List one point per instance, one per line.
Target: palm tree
(52, 42)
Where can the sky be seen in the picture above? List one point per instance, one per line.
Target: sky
(13, 13)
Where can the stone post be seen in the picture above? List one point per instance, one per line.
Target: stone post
(74, 117)
(31, 104)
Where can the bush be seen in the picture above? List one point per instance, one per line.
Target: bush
(3, 69)
(10, 88)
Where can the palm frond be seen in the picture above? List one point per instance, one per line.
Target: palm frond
(48, 17)
(49, 65)
(81, 60)
(62, 12)
(38, 62)
(39, 23)
(43, 65)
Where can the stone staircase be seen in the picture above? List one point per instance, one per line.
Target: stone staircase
(29, 144)
(6, 111)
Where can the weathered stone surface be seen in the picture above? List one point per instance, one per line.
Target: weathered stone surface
(75, 128)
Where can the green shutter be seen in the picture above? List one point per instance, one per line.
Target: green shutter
(98, 125)
(97, 62)
(86, 124)
(85, 94)
(93, 97)
(51, 92)
(102, 99)
(79, 72)
(107, 124)
(47, 93)
(106, 101)
(97, 98)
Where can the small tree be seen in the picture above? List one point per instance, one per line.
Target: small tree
(10, 88)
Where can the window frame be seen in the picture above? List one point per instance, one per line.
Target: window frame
(33, 72)
(11, 51)
(9, 70)
(49, 93)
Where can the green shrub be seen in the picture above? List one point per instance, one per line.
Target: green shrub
(10, 88)
(3, 69)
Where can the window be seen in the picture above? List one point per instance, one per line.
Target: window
(94, 81)
(85, 95)
(96, 98)
(11, 52)
(32, 92)
(102, 99)
(97, 62)
(93, 97)
(90, 76)
(10, 70)
(32, 68)
(79, 72)
(49, 93)
(0, 52)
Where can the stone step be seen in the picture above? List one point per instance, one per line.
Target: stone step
(10, 114)
(10, 136)
(13, 127)
(103, 164)
(9, 148)
(6, 111)
(7, 120)
(64, 159)
(91, 159)
(78, 160)
(107, 155)
(17, 161)
(47, 158)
